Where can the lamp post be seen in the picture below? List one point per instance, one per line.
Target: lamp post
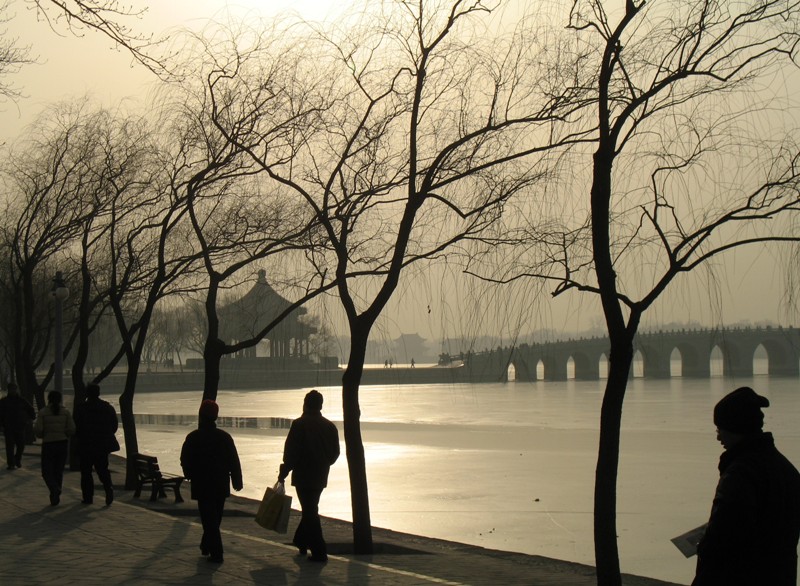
(59, 293)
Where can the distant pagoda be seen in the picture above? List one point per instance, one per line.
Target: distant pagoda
(245, 317)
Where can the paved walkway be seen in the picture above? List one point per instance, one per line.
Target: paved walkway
(137, 542)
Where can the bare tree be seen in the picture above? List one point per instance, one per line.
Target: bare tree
(409, 134)
(94, 198)
(13, 56)
(236, 215)
(109, 18)
(681, 173)
(150, 260)
(122, 164)
(170, 333)
(52, 182)
(106, 17)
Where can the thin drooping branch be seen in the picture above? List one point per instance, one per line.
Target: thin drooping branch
(108, 18)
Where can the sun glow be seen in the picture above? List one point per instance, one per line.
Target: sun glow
(185, 11)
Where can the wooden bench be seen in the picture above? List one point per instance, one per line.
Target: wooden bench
(148, 472)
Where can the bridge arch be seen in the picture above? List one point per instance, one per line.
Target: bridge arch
(780, 358)
(522, 371)
(695, 360)
(737, 357)
(602, 365)
(760, 361)
(539, 369)
(675, 363)
(637, 366)
(511, 373)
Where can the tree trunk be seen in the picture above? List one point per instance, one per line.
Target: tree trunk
(129, 425)
(620, 357)
(212, 356)
(605, 484)
(79, 390)
(354, 444)
(214, 347)
(29, 388)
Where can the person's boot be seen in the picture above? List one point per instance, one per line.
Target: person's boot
(109, 495)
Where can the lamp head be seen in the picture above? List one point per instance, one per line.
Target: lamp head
(60, 290)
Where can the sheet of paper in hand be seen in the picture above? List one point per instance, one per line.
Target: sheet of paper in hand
(687, 542)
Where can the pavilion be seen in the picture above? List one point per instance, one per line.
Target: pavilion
(243, 318)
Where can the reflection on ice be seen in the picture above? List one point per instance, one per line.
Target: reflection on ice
(386, 452)
(507, 466)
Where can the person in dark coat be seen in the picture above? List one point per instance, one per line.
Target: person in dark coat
(752, 534)
(312, 446)
(96, 426)
(15, 413)
(210, 461)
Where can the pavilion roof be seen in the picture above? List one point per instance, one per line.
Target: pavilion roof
(250, 313)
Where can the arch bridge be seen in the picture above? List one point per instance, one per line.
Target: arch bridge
(655, 349)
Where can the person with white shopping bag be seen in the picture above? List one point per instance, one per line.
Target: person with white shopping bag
(273, 512)
(312, 446)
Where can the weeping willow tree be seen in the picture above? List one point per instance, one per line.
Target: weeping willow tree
(404, 132)
(694, 156)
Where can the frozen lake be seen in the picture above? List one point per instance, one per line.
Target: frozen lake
(510, 466)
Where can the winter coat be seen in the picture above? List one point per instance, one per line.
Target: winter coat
(15, 412)
(95, 427)
(52, 427)
(210, 461)
(311, 447)
(754, 526)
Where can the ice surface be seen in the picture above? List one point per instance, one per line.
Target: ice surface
(510, 466)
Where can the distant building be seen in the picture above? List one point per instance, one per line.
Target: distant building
(245, 317)
(409, 347)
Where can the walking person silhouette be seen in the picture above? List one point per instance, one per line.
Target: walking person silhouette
(311, 447)
(95, 427)
(211, 463)
(55, 426)
(15, 413)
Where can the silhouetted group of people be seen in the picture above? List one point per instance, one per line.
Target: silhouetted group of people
(751, 537)
(94, 425)
(208, 457)
(211, 463)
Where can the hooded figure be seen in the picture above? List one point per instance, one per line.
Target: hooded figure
(753, 530)
(312, 446)
(211, 463)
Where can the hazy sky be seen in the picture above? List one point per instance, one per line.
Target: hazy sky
(91, 65)
(749, 286)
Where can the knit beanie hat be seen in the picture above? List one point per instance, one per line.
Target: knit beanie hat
(740, 411)
(208, 410)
